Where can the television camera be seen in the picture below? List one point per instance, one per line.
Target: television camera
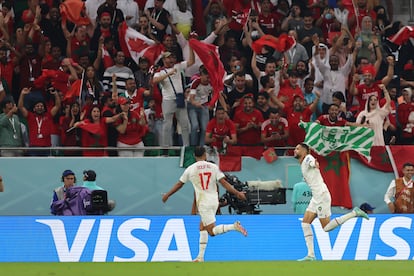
(257, 193)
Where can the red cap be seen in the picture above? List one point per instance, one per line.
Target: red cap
(105, 14)
(123, 100)
(369, 69)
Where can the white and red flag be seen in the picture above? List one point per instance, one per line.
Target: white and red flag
(403, 35)
(136, 45)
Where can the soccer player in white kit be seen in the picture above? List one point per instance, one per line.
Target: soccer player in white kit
(204, 176)
(320, 203)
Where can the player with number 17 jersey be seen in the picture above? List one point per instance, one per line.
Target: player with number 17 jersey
(204, 176)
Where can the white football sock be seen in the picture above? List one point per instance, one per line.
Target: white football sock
(308, 233)
(222, 228)
(338, 221)
(202, 244)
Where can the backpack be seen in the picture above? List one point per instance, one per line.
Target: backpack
(81, 201)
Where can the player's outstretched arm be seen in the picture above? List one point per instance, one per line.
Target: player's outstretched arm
(173, 190)
(230, 189)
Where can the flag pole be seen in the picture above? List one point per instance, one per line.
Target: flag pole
(80, 87)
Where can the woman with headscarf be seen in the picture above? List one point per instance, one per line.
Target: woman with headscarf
(364, 40)
(373, 116)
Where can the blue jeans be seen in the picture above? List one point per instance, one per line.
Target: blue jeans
(199, 117)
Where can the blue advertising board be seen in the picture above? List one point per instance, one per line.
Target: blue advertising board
(175, 238)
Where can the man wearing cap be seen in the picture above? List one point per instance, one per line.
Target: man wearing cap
(400, 193)
(171, 82)
(370, 86)
(132, 128)
(89, 180)
(367, 208)
(69, 180)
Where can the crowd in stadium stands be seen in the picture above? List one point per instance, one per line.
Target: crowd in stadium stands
(69, 76)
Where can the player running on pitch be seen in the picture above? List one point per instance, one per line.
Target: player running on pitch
(204, 176)
(320, 203)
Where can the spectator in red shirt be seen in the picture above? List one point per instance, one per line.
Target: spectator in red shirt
(132, 127)
(297, 112)
(7, 67)
(332, 118)
(269, 21)
(370, 86)
(95, 131)
(39, 121)
(30, 64)
(248, 122)
(290, 88)
(71, 136)
(135, 95)
(275, 131)
(220, 130)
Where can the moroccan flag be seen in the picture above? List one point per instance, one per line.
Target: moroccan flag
(74, 90)
(210, 58)
(136, 45)
(270, 155)
(281, 43)
(74, 11)
(399, 155)
(334, 168)
(403, 35)
(324, 140)
(379, 159)
(90, 127)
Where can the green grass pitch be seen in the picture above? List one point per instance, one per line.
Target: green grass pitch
(281, 268)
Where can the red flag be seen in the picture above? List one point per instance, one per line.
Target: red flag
(209, 56)
(379, 159)
(402, 35)
(400, 156)
(106, 58)
(74, 11)
(335, 172)
(90, 127)
(74, 90)
(230, 163)
(57, 78)
(135, 45)
(198, 25)
(281, 43)
(270, 155)
(241, 17)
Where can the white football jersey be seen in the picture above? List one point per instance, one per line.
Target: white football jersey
(313, 176)
(204, 177)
